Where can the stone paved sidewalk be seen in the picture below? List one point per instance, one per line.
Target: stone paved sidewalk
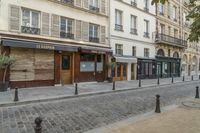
(38, 94)
(182, 119)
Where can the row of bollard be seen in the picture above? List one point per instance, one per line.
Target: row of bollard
(157, 110)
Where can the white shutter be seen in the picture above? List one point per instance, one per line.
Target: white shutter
(14, 21)
(103, 6)
(86, 4)
(103, 34)
(78, 3)
(45, 23)
(55, 25)
(78, 28)
(85, 31)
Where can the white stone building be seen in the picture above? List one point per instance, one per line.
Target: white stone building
(132, 23)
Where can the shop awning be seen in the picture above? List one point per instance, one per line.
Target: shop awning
(125, 59)
(54, 46)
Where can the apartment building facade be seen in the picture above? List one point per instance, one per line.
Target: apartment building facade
(169, 40)
(55, 41)
(131, 25)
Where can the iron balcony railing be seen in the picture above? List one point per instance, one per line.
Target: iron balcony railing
(159, 37)
(134, 31)
(146, 34)
(94, 39)
(71, 2)
(66, 35)
(118, 27)
(93, 8)
(30, 30)
(133, 4)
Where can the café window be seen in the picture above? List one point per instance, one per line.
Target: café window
(99, 63)
(65, 62)
(87, 62)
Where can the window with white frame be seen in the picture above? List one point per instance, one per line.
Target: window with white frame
(30, 18)
(93, 33)
(146, 52)
(133, 24)
(118, 20)
(175, 33)
(168, 9)
(66, 28)
(146, 28)
(146, 5)
(162, 28)
(118, 49)
(94, 3)
(174, 13)
(161, 9)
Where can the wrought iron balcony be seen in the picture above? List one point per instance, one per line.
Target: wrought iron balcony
(94, 39)
(93, 8)
(134, 31)
(71, 2)
(118, 27)
(133, 4)
(66, 35)
(162, 38)
(146, 9)
(30, 30)
(146, 34)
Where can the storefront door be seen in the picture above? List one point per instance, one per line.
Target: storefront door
(121, 71)
(66, 68)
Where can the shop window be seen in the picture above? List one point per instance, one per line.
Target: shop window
(160, 52)
(124, 70)
(87, 63)
(65, 62)
(99, 63)
(118, 70)
(175, 55)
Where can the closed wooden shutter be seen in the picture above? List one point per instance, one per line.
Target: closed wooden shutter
(14, 21)
(45, 23)
(78, 28)
(103, 6)
(86, 4)
(78, 3)
(85, 31)
(55, 28)
(103, 34)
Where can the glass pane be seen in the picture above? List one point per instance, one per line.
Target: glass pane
(26, 18)
(118, 70)
(124, 70)
(63, 25)
(86, 66)
(87, 57)
(69, 26)
(65, 62)
(35, 19)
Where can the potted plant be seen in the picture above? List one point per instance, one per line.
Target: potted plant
(111, 67)
(5, 63)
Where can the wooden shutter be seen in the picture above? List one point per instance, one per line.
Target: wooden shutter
(55, 28)
(78, 28)
(103, 34)
(78, 3)
(14, 21)
(85, 31)
(45, 23)
(86, 4)
(103, 6)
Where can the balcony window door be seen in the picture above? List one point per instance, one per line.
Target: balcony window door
(66, 28)
(146, 30)
(146, 5)
(174, 13)
(133, 24)
(146, 52)
(94, 5)
(94, 33)
(30, 21)
(118, 20)
(119, 49)
(175, 33)
(161, 9)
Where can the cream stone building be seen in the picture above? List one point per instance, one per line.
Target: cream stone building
(55, 41)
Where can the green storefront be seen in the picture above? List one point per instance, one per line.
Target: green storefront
(168, 66)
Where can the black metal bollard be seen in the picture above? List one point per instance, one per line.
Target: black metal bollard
(192, 77)
(139, 82)
(76, 89)
(158, 81)
(183, 78)
(113, 85)
(197, 92)
(38, 127)
(157, 104)
(172, 79)
(16, 98)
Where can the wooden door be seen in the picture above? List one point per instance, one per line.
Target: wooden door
(121, 71)
(66, 68)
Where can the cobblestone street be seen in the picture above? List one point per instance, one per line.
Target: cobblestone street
(82, 114)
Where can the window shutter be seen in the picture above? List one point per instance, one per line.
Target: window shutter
(45, 23)
(78, 3)
(86, 4)
(103, 34)
(78, 30)
(55, 28)
(14, 21)
(85, 31)
(103, 6)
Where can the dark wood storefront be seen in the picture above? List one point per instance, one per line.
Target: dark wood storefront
(146, 68)
(168, 66)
